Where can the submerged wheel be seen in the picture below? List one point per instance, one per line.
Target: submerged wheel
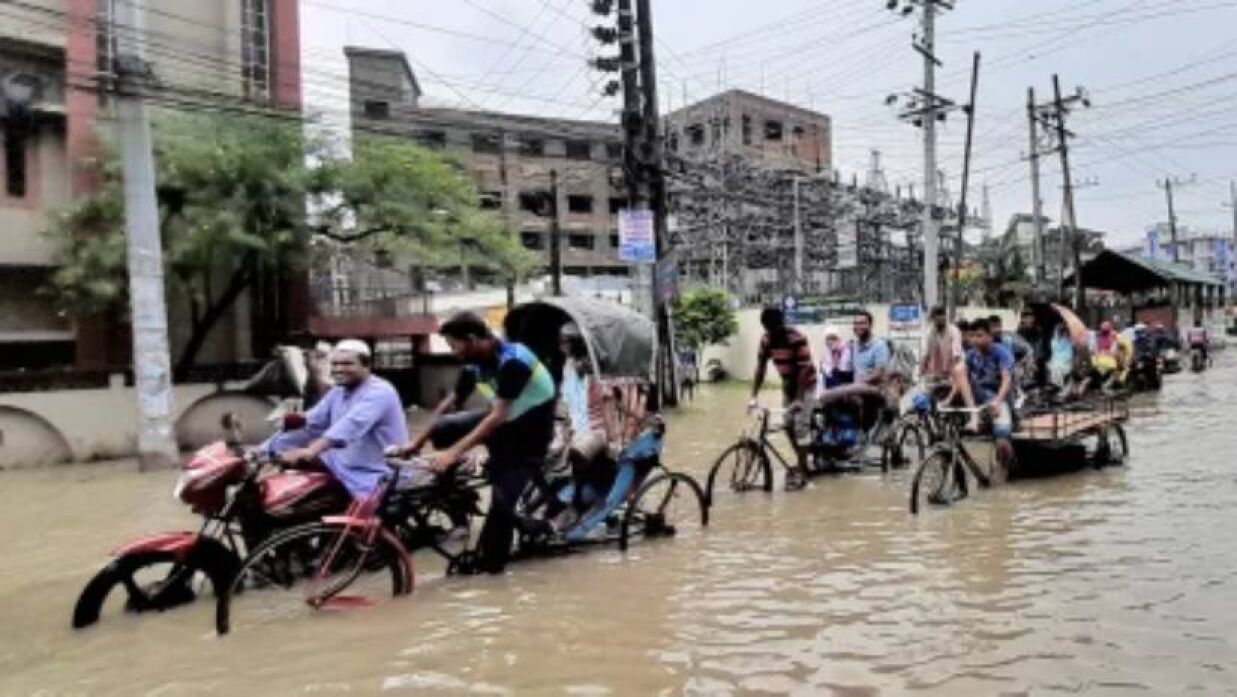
(744, 466)
(668, 505)
(905, 446)
(309, 567)
(1112, 448)
(936, 481)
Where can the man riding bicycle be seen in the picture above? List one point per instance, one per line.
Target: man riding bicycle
(986, 379)
(349, 429)
(792, 357)
(517, 428)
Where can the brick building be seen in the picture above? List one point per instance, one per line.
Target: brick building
(766, 132)
(510, 158)
(52, 53)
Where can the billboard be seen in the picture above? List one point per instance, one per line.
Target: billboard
(637, 244)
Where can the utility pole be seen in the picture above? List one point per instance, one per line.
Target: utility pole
(924, 109)
(556, 238)
(151, 362)
(1069, 225)
(955, 293)
(1037, 202)
(1167, 185)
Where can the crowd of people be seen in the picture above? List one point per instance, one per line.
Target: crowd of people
(976, 363)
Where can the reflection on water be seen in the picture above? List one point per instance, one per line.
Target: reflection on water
(1111, 582)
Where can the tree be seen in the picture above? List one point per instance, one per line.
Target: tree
(232, 196)
(703, 317)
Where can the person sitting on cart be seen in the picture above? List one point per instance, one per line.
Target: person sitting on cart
(516, 430)
(792, 357)
(836, 366)
(349, 430)
(941, 353)
(985, 379)
(1111, 356)
(632, 464)
(872, 355)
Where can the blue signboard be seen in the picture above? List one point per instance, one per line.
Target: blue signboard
(904, 314)
(637, 244)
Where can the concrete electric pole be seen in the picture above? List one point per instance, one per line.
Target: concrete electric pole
(925, 108)
(1167, 185)
(1037, 201)
(151, 361)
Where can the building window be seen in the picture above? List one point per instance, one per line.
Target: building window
(15, 163)
(491, 200)
(695, 134)
(616, 205)
(773, 130)
(435, 140)
(580, 241)
(579, 150)
(105, 46)
(673, 141)
(535, 202)
(485, 143)
(532, 147)
(256, 48)
(747, 129)
(579, 203)
(376, 109)
(614, 151)
(614, 241)
(716, 132)
(532, 240)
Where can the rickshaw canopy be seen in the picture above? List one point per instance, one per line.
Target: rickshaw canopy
(620, 340)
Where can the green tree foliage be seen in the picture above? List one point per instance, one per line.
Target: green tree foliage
(232, 195)
(703, 317)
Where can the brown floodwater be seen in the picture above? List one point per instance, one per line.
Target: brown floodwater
(1116, 582)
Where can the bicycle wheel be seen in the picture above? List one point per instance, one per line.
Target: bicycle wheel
(935, 481)
(744, 466)
(309, 567)
(907, 444)
(668, 505)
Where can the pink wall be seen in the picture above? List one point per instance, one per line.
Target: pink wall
(286, 50)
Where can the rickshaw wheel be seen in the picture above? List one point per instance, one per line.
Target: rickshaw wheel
(935, 482)
(744, 466)
(1112, 448)
(668, 505)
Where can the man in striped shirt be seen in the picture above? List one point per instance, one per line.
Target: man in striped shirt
(792, 358)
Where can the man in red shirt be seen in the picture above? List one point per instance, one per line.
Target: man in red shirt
(792, 357)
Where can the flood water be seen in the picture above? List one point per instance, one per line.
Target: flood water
(1102, 583)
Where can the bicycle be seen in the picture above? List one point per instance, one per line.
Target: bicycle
(941, 477)
(747, 465)
(365, 551)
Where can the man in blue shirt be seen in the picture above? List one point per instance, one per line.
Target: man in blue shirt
(987, 381)
(348, 430)
(517, 428)
(870, 355)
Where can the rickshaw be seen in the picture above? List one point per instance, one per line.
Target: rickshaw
(848, 424)
(640, 497)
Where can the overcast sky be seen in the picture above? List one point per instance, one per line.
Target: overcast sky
(1162, 75)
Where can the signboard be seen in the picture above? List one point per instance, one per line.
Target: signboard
(904, 318)
(668, 276)
(789, 307)
(636, 240)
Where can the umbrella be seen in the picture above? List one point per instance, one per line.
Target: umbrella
(1077, 330)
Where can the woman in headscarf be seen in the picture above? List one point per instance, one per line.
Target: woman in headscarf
(836, 366)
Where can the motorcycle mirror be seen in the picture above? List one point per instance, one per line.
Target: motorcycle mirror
(293, 422)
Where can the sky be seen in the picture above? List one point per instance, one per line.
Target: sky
(1160, 75)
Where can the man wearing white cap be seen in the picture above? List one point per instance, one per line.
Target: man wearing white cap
(350, 428)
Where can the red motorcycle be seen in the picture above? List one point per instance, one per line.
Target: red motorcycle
(240, 508)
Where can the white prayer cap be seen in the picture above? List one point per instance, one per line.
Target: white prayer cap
(353, 346)
(832, 331)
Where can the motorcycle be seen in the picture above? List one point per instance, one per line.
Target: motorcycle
(1198, 361)
(223, 484)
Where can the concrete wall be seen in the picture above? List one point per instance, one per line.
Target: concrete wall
(42, 428)
(739, 354)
